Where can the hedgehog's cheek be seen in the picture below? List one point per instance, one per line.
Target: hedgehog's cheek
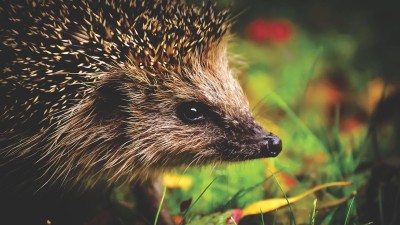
(270, 145)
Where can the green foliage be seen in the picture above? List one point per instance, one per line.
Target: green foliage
(229, 179)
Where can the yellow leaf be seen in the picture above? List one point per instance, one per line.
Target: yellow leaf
(337, 201)
(177, 181)
(275, 203)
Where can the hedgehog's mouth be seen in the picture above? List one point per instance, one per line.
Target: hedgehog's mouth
(241, 150)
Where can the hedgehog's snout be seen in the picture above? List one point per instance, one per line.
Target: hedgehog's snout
(270, 145)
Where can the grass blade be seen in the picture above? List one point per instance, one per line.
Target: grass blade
(262, 217)
(380, 204)
(233, 221)
(313, 213)
(274, 220)
(349, 210)
(290, 205)
(243, 192)
(160, 205)
(197, 199)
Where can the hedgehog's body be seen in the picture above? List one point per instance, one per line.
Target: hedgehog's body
(117, 91)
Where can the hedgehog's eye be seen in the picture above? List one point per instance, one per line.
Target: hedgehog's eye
(191, 112)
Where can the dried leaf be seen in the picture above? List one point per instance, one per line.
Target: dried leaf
(275, 203)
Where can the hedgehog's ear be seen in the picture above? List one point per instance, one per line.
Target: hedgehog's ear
(110, 101)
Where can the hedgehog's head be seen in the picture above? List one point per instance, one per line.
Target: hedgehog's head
(186, 107)
(197, 117)
(167, 98)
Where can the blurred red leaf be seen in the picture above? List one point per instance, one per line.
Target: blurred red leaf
(350, 124)
(177, 219)
(236, 215)
(261, 30)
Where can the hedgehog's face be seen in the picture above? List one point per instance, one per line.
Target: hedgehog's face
(203, 119)
(228, 139)
(214, 108)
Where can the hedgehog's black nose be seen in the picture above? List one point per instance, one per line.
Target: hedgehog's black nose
(271, 146)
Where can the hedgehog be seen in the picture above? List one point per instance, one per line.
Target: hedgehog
(114, 92)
